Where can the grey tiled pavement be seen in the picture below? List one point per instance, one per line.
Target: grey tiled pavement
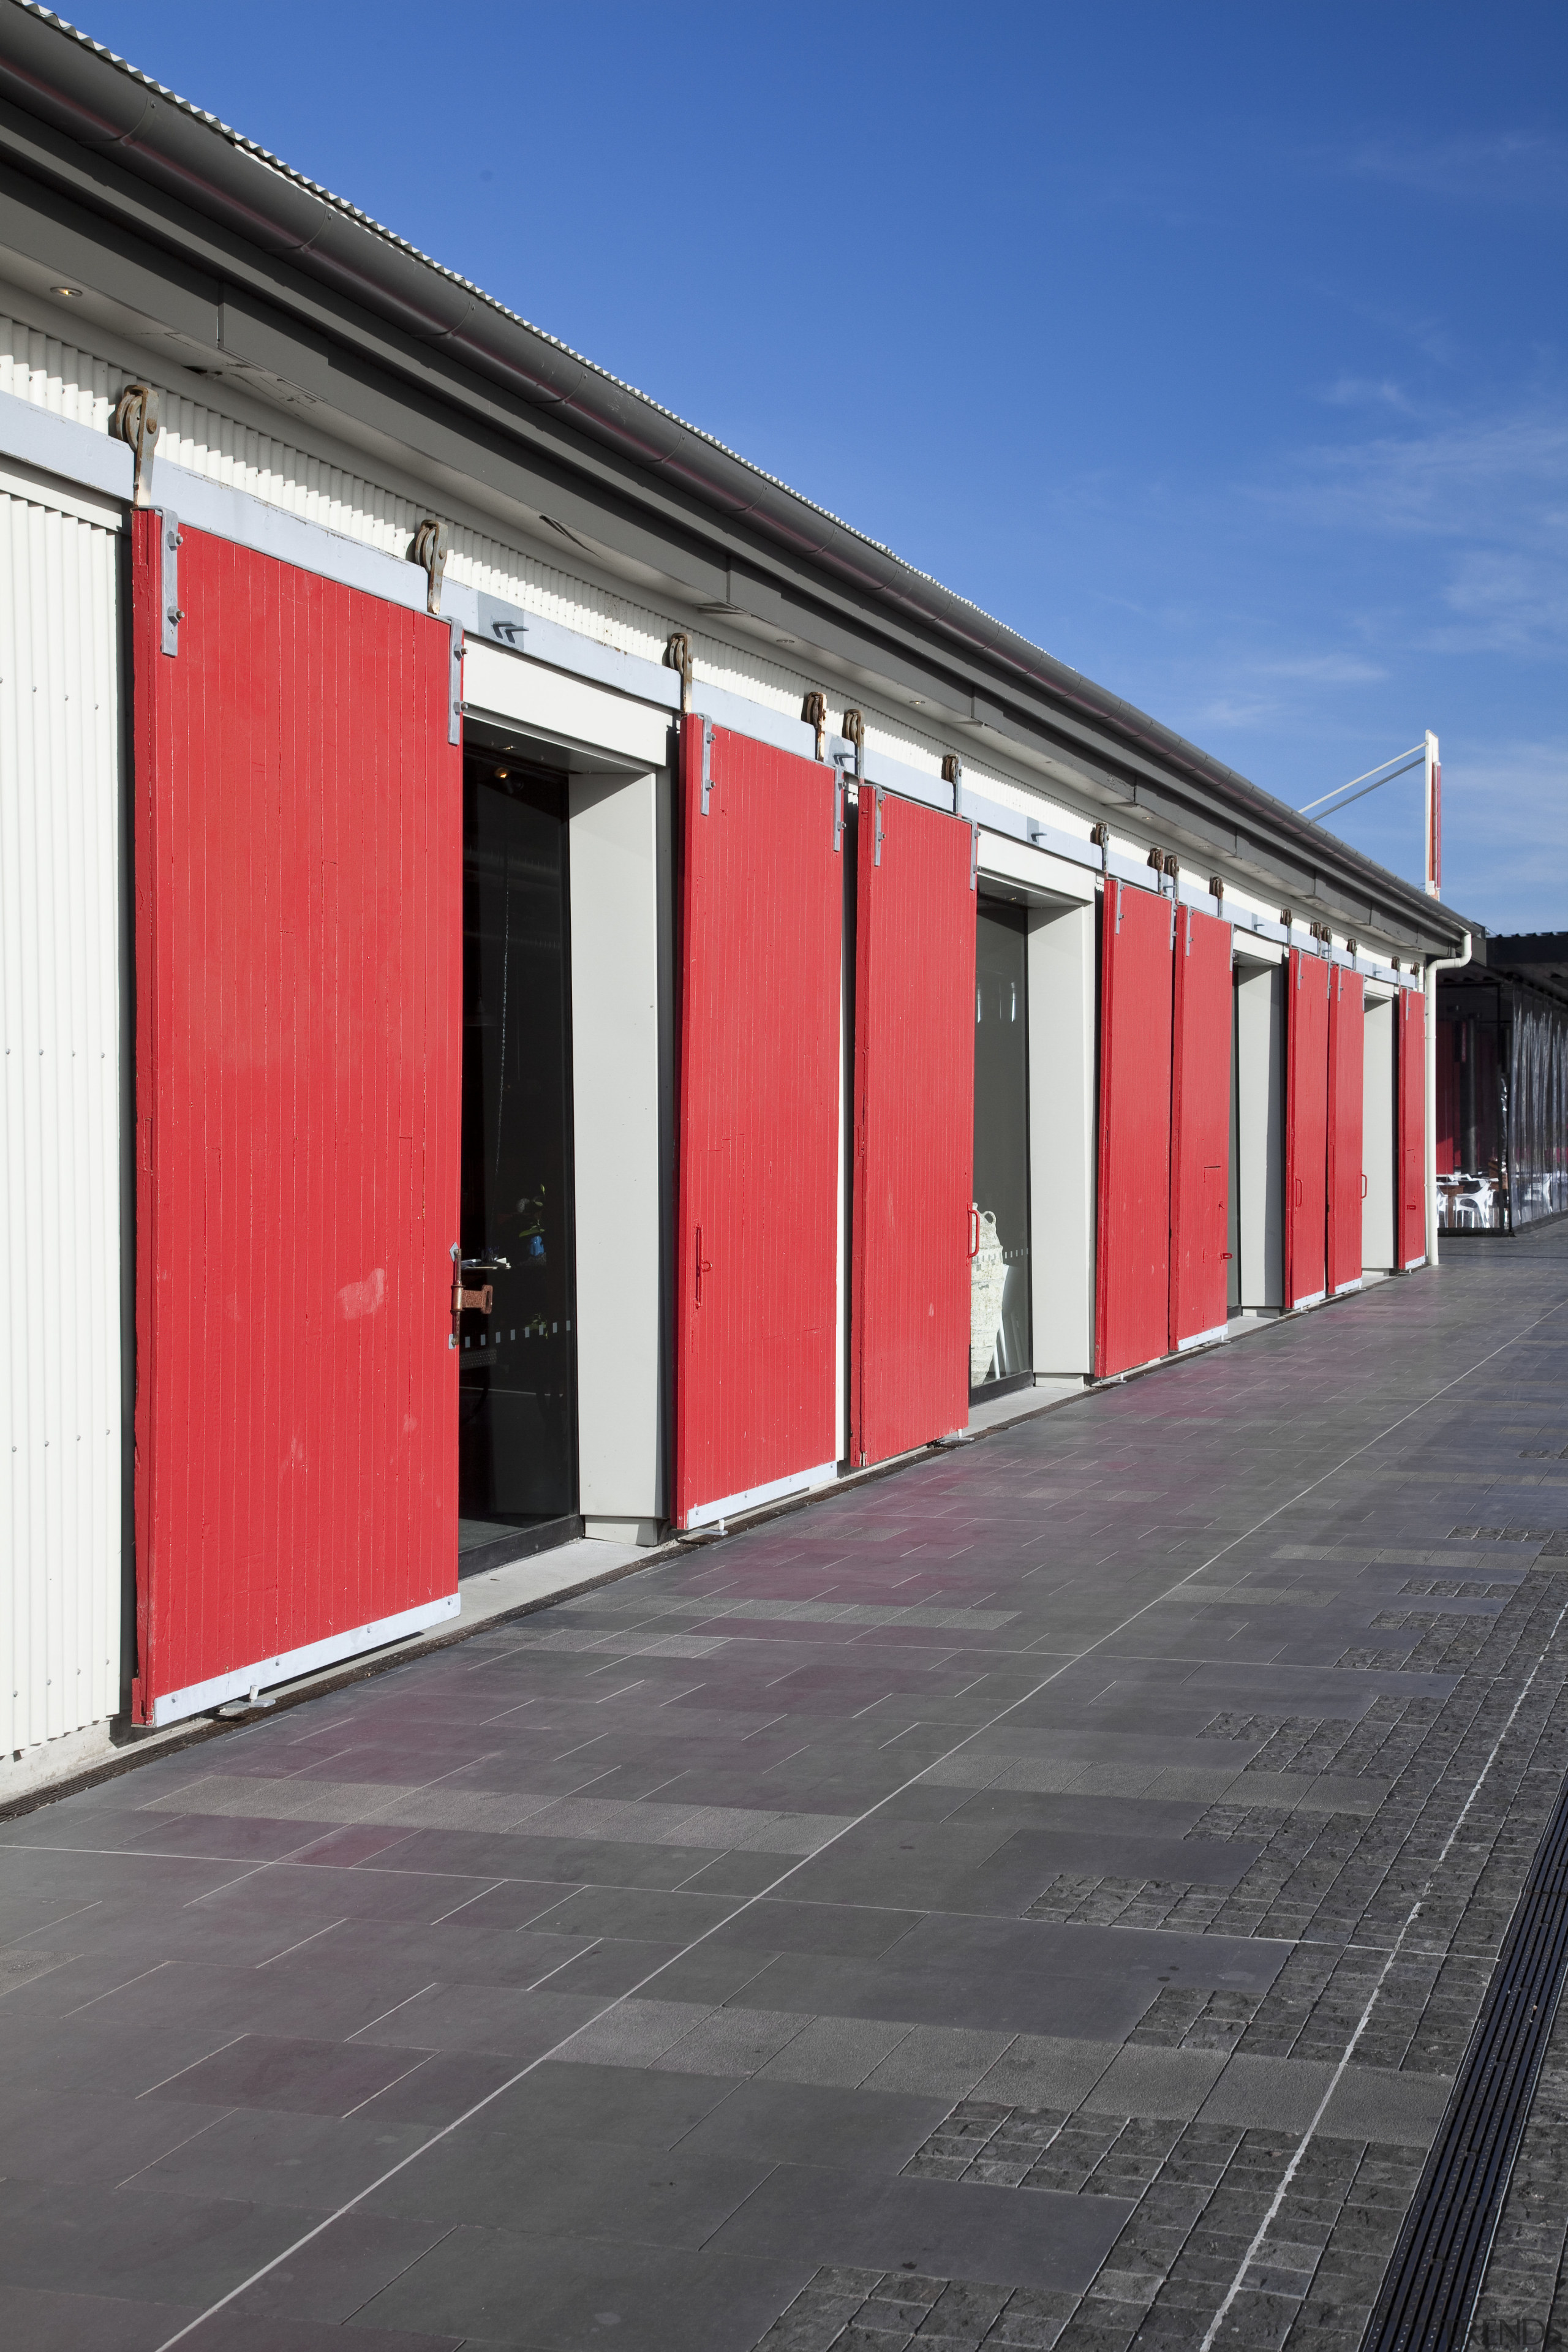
(1038, 1898)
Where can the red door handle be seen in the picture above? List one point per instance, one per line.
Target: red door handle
(704, 1265)
(975, 1232)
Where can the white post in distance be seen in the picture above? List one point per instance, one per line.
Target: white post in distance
(1434, 818)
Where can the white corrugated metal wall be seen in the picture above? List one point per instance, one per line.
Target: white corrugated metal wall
(61, 933)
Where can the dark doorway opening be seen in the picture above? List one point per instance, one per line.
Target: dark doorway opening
(517, 1374)
(1001, 1345)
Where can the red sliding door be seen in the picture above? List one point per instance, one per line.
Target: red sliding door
(1132, 1288)
(1306, 1128)
(757, 1232)
(299, 972)
(1347, 1183)
(1410, 1208)
(914, 1126)
(1200, 1127)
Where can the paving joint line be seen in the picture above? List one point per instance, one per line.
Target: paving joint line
(630, 1993)
(1365, 2017)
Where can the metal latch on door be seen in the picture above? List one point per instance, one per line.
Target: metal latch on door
(474, 1302)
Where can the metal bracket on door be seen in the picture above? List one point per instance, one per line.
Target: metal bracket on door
(455, 684)
(837, 811)
(170, 614)
(707, 761)
(473, 1302)
(877, 854)
(973, 851)
(1118, 888)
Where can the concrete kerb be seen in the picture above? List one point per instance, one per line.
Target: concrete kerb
(139, 1747)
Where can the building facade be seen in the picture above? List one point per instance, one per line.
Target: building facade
(550, 987)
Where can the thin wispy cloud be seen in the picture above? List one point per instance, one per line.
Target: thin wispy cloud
(1504, 167)
(1447, 480)
(1490, 492)
(1361, 392)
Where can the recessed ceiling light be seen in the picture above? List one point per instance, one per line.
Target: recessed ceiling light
(502, 774)
(73, 293)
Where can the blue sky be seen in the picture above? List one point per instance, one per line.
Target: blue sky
(1221, 349)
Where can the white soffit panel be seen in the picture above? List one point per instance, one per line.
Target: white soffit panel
(60, 1459)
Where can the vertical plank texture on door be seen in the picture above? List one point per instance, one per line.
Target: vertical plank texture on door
(1306, 1128)
(757, 1238)
(1347, 1180)
(1132, 1287)
(298, 970)
(1411, 1205)
(914, 1127)
(1200, 1128)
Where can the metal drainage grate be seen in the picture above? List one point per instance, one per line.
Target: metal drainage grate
(1430, 2290)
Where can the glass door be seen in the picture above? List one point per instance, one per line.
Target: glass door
(517, 1377)
(1001, 1348)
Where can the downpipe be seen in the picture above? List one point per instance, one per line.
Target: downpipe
(1446, 964)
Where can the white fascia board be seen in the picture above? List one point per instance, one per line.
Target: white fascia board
(1245, 948)
(59, 445)
(1036, 870)
(1137, 872)
(77, 454)
(1244, 922)
(889, 775)
(555, 708)
(250, 522)
(1198, 894)
(751, 1499)
(1022, 824)
(743, 717)
(39, 487)
(493, 621)
(200, 1698)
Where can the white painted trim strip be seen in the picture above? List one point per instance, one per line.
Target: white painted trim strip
(891, 776)
(59, 445)
(39, 487)
(1204, 1339)
(234, 515)
(1314, 1299)
(800, 1481)
(1021, 825)
(1046, 880)
(753, 719)
(1412, 1262)
(200, 1697)
(1342, 1289)
(530, 636)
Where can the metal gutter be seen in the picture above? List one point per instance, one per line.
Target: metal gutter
(64, 79)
